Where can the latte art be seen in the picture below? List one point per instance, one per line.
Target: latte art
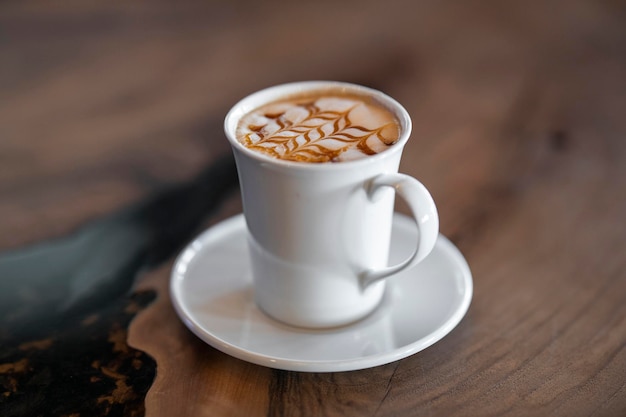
(323, 128)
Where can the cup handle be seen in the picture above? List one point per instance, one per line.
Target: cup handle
(424, 212)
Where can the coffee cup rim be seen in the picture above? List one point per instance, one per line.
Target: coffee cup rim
(276, 92)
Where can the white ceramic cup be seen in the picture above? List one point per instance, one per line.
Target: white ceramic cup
(319, 233)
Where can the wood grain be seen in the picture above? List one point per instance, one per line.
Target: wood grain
(519, 128)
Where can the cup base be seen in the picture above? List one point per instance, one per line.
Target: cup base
(306, 296)
(317, 321)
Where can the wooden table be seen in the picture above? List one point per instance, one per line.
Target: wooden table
(519, 115)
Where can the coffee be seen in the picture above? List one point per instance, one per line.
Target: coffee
(321, 126)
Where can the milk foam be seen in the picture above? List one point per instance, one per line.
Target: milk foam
(322, 127)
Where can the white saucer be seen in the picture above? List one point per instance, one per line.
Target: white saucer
(212, 292)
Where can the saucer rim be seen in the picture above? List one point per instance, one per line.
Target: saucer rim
(213, 234)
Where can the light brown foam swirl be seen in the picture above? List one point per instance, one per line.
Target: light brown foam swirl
(323, 128)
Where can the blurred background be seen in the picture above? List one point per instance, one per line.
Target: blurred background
(103, 102)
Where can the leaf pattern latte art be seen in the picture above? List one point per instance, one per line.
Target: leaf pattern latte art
(318, 135)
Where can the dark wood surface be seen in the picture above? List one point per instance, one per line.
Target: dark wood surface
(519, 112)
